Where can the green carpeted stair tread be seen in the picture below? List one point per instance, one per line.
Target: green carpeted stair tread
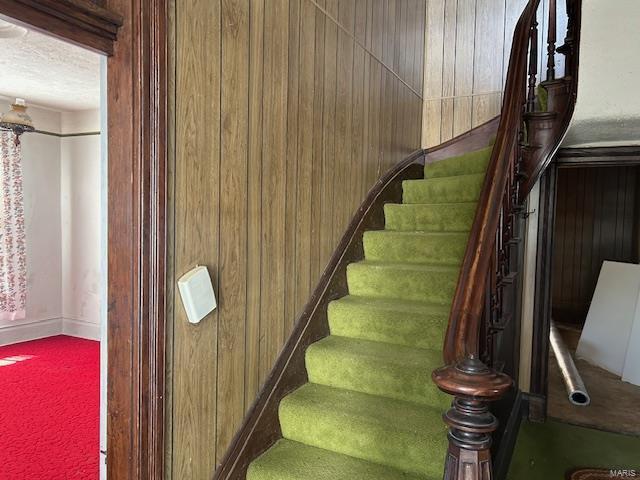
(384, 369)
(471, 162)
(414, 324)
(415, 247)
(461, 188)
(404, 281)
(423, 217)
(289, 460)
(403, 435)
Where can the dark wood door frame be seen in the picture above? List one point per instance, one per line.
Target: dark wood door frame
(133, 34)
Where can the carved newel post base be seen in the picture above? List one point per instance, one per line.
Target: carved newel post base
(470, 422)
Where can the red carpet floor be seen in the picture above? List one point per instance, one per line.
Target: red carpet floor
(49, 409)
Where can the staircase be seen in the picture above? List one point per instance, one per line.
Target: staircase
(369, 410)
(412, 285)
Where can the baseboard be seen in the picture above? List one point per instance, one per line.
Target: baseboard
(35, 330)
(81, 329)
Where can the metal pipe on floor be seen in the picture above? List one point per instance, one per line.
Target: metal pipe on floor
(576, 389)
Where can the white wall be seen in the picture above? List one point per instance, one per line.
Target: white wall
(62, 227)
(80, 194)
(608, 106)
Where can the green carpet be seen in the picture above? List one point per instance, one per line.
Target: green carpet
(549, 450)
(370, 410)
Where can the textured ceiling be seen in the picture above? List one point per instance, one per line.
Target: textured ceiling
(48, 72)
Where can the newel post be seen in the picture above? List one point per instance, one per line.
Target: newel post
(470, 422)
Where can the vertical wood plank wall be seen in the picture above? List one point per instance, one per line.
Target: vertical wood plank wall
(467, 48)
(285, 112)
(596, 219)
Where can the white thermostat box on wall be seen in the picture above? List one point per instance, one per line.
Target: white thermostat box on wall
(197, 293)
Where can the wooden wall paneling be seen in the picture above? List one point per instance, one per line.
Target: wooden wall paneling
(343, 136)
(318, 145)
(579, 246)
(386, 119)
(306, 160)
(347, 17)
(284, 118)
(197, 204)
(357, 187)
(332, 7)
(373, 107)
(596, 220)
(412, 7)
(391, 33)
(360, 22)
(467, 48)
(433, 74)
(377, 27)
(588, 205)
(292, 184)
(252, 378)
(232, 280)
(558, 243)
(571, 224)
(450, 48)
(487, 66)
(416, 26)
(366, 123)
(400, 49)
(464, 68)
(329, 139)
(274, 141)
(418, 52)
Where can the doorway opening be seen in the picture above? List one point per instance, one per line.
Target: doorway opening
(596, 238)
(54, 230)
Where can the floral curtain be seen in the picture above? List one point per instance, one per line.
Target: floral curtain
(13, 261)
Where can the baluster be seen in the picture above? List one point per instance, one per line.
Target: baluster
(533, 66)
(551, 42)
(568, 41)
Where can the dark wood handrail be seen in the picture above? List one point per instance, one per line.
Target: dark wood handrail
(462, 337)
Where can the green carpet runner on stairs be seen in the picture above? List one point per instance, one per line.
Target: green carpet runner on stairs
(370, 410)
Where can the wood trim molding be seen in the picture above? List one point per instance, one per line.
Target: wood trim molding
(137, 110)
(79, 21)
(598, 156)
(543, 287)
(137, 129)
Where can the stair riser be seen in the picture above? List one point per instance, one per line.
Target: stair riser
(409, 329)
(364, 439)
(289, 460)
(421, 286)
(430, 218)
(414, 249)
(442, 190)
(375, 377)
(473, 162)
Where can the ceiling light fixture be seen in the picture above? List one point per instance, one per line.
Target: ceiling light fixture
(17, 119)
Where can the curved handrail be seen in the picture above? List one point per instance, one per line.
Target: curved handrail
(462, 337)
